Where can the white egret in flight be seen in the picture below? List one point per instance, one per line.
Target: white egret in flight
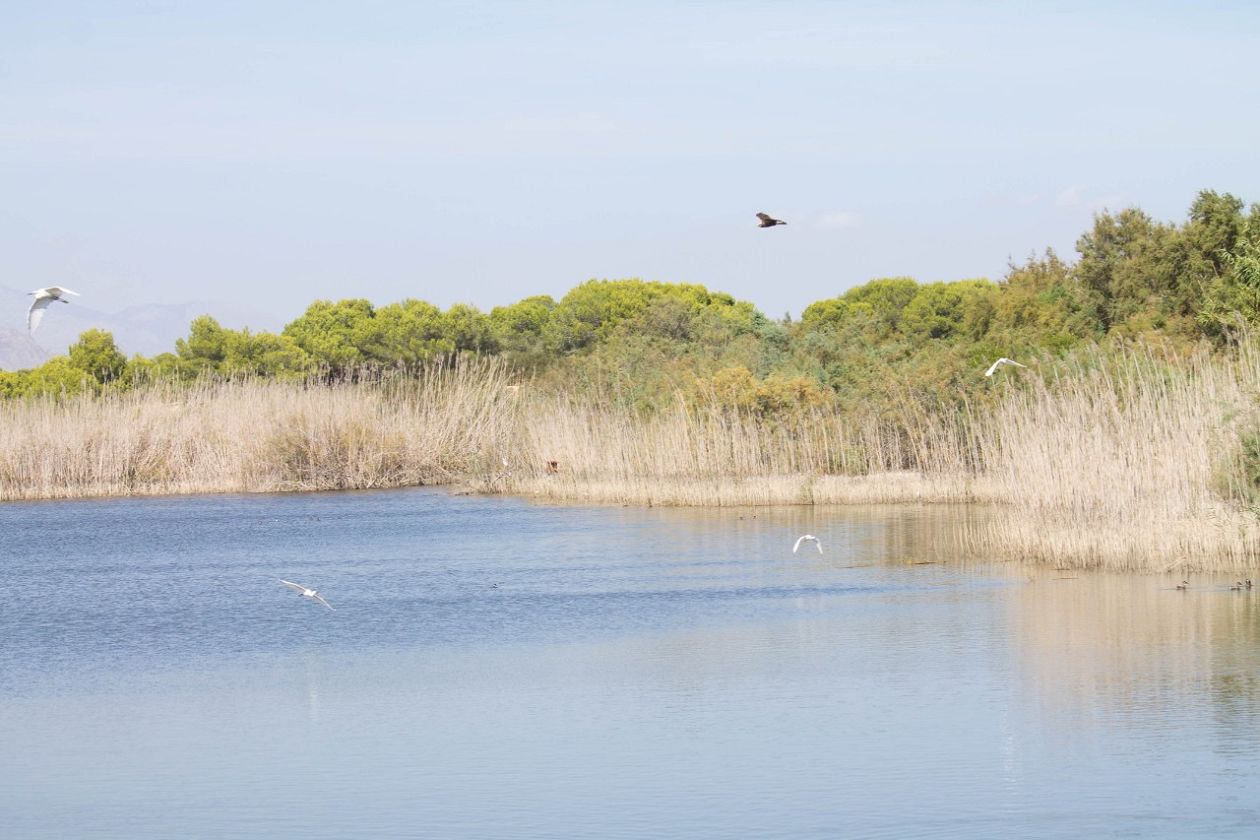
(1002, 361)
(807, 538)
(43, 297)
(306, 593)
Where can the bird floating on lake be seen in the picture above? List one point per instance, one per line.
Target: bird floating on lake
(1002, 361)
(1185, 584)
(306, 593)
(764, 220)
(807, 538)
(43, 297)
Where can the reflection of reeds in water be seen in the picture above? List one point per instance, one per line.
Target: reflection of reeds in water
(1137, 650)
(1136, 463)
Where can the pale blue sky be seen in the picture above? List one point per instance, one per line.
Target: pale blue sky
(483, 152)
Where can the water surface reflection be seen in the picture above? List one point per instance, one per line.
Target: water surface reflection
(502, 669)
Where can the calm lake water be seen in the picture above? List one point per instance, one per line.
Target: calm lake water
(496, 668)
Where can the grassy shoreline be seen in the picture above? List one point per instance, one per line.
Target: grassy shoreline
(1137, 462)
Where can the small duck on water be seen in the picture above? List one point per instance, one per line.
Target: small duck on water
(1185, 584)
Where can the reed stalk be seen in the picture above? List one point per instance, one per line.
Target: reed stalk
(1128, 461)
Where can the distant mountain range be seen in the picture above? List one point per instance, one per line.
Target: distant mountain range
(18, 351)
(147, 329)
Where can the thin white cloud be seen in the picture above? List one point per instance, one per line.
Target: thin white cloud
(1113, 202)
(1070, 197)
(839, 220)
(1078, 198)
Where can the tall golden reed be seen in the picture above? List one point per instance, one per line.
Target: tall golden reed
(717, 455)
(1135, 463)
(1129, 461)
(255, 436)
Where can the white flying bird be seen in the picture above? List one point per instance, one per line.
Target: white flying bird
(807, 538)
(1002, 361)
(306, 593)
(43, 297)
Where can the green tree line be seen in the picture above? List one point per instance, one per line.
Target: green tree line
(1133, 279)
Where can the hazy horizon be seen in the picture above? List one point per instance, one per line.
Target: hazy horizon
(481, 153)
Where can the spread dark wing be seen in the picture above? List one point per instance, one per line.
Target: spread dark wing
(764, 217)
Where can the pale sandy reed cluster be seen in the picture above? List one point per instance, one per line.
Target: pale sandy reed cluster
(1135, 463)
(256, 436)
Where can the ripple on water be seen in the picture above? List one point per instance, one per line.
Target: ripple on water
(497, 669)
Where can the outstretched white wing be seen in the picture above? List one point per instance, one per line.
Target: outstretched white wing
(308, 593)
(807, 538)
(36, 312)
(58, 291)
(1002, 361)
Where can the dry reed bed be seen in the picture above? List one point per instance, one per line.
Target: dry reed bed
(1126, 465)
(748, 491)
(1135, 464)
(254, 436)
(720, 456)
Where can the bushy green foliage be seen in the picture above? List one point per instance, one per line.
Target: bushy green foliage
(408, 333)
(876, 307)
(962, 309)
(211, 348)
(650, 343)
(1041, 305)
(55, 377)
(518, 328)
(775, 394)
(334, 334)
(1126, 262)
(595, 310)
(96, 355)
(1231, 296)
